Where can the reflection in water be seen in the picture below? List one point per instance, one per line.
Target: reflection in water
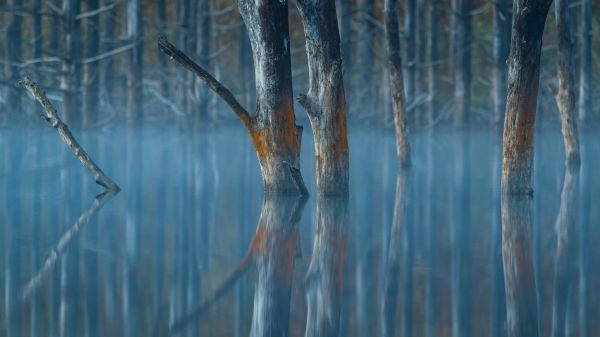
(521, 304)
(191, 245)
(325, 275)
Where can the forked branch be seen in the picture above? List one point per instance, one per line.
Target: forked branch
(51, 116)
(166, 47)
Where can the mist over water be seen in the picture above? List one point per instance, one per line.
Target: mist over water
(192, 206)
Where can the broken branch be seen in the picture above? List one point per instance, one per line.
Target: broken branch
(51, 116)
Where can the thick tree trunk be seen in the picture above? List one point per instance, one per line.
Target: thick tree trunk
(461, 30)
(91, 88)
(325, 275)
(135, 35)
(325, 102)
(565, 98)
(500, 49)
(433, 73)
(245, 60)
(519, 280)
(71, 79)
(524, 72)
(273, 130)
(394, 60)
(585, 86)
(274, 248)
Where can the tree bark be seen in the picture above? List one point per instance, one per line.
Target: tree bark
(273, 130)
(500, 49)
(135, 35)
(325, 102)
(461, 30)
(565, 98)
(91, 91)
(394, 60)
(519, 280)
(325, 275)
(524, 72)
(585, 86)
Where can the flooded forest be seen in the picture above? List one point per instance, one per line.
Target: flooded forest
(314, 168)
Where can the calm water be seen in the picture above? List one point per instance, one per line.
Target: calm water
(190, 242)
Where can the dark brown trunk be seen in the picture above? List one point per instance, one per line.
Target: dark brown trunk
(524, 72)
(517, 256)
(565, 98)
(325, 102)
(394, 60)
(325, 276)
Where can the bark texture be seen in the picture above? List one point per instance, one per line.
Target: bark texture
(565, 98)
(325, 102)
(325, 276)
(394, 60)
(529, 18)
(275, 135)
(517, 256)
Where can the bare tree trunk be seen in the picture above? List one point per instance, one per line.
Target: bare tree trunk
(565, 98)
(135, 35)
(365, 52)
(585, 86)
(325, 275)
(37, 29)
(108, 44)
(345, 24)
(273, 130)
(462, 60)
(162, 59)
(325, 102)
(421, 55)
(71, 81)
(12, 48)
(204, 51)
(394, 60)
(524, 72)
(519, 280)
(91, 77)
(500, 49)
(433, 73)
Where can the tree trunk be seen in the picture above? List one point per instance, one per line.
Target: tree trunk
(409, 37)
(162, 59)
(71, 81)
(345, 23)
(433, 73)
(205, 47)
(135, 35)
(108, 44)
(500, 49)
(461, 30)
(91, 77)
(394, 60)
(365, 52)
(524, 73)
(565, 98)
(519, 280)
(37, 30)
(274, 248)
(585, 86)
(12, 48)
(325, 102)
(325, 275)
(421, 55)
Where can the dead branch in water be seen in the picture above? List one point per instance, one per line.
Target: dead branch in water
(64, 241)
(51, 116)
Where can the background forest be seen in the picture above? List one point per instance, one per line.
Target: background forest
(99, 59)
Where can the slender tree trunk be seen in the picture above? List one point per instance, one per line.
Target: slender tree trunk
(433, 73)
(37, 29)
(585, 77)
(325, 102)
(162, 59)
(524, 72)
(108, 43)
(91, 87)
(394, 60)
(519, 280)
(325, 275)
(565, 98)
(205, 48)
(462, 60)
(12, 48)
(365, 52)
(500, 49)
(421, 55)
(135, 35)
(409, 37)
(71, 80)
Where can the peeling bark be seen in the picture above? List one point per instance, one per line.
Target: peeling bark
(529, 18)
(325, 102)
(565, 98)
(394, 60)
(517, 256)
